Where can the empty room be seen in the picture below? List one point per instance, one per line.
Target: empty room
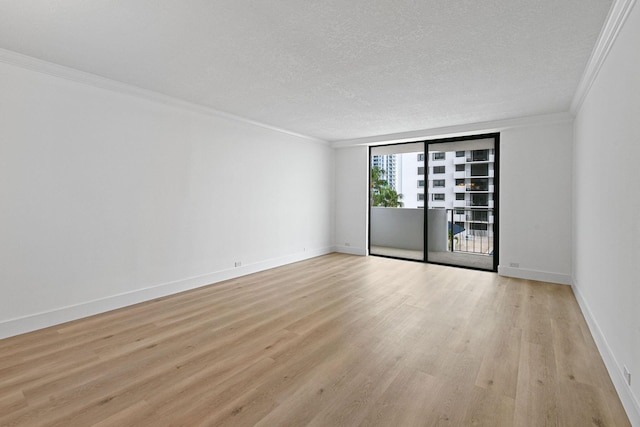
(337, 213)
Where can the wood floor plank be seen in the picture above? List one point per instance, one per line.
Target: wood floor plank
(501, 362)
(363, 391)
(408, 401)
(326, 384)
(537, 394)
(334, 340)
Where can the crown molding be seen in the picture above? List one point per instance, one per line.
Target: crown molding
(620, 10)
(38, 65)
(458, 130)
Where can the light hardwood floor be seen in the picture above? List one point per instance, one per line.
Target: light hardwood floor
(338, 340)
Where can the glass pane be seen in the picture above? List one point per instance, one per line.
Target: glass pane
(460, 215)
(397, 200)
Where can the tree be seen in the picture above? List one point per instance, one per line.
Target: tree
(377, 178)
(388, 197)
(382, 194)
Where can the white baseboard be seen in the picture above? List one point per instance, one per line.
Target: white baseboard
(541, 276)
(629, 400)
(350, 250)
(60, 315)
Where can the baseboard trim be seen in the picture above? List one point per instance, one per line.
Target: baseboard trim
(629, 401)
(350, 250)
(61, 315)
(541, 276)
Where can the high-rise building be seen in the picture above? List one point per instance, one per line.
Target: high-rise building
(389, 164)
(460, 181)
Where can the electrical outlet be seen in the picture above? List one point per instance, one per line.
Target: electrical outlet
(514, 264)
(627, 375)
(238, 263)
(347, 244)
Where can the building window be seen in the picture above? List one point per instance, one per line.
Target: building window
(479, 155)
(478, 226)
(438, 156)
(420, 197)
(459, 168)
(420, 183)
(459, 196)
(438, 169)
(479, 216)
(460, 182)
(438, 182)
(420, 170)
(437, 197)
(459, 153)
(480, 170)
(479, 200)
(478, 184)
(421, 157)
(459, 211)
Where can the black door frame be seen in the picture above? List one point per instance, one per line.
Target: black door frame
(496, 196)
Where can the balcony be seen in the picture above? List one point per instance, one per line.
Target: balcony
(480, 189)
(471, 236)
(477, 215)
(451, 239)
(487, 174)
(479, 156)
(479, 203)
(480, 159)
(479, 170)
(478, 186)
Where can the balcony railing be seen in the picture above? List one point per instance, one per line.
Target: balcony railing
(480, 203)
(474, 235)
(480, 174)
(477, 188)
(479, 215)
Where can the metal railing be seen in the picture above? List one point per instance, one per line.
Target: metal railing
(474, 234)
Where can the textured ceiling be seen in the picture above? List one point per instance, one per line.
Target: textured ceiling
(331, 69)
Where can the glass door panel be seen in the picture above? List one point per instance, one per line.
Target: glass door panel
(460, 203)
(397, 200)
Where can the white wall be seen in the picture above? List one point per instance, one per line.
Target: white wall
(606, 237)
(351, 199)
(109, 199)
(535, 202)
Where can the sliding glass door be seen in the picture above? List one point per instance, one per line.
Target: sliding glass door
(436, 201)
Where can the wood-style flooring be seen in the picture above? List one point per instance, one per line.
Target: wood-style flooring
(337, 340)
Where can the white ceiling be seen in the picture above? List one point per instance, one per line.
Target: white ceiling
(330, 69)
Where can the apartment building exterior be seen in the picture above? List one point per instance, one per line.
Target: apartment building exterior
(389, 163)
(459, 181)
